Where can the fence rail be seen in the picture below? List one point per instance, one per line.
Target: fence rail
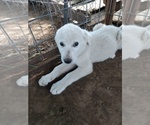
(37, 26)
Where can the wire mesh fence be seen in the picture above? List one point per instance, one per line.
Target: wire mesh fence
(13, 29)
(143, 14)
(136, 12)
(13, 61)
(13, 38)
(46, 16)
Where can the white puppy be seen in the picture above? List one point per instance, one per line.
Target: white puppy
(82, 48)
(134, 40)
(118, 36)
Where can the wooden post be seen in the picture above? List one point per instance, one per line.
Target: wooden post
(130, 10)
(109, 12)
(65, 11)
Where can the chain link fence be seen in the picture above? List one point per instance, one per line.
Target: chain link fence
(13, 32)
(46, 16)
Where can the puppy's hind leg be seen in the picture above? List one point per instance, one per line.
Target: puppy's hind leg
(73, 76)
(135, 56)
(98, 26)
(57, 71)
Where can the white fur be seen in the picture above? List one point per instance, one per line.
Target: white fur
(98, 26)
(23, 81)
(134, 40)
(95, 46)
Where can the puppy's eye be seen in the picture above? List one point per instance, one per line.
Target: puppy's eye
(62, 44)
(75, 44)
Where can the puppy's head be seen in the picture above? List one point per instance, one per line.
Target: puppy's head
(72, 42)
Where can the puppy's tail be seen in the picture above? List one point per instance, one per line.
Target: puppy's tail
(98, 26)
(119, 38)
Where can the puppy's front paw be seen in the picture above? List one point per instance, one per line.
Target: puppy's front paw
(23, 81)
(45, 80)
(57, 88)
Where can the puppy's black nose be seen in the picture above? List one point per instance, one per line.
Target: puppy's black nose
(67, 60)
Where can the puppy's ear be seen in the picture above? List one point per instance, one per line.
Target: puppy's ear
(146, 35)
(87, 36)
(56, 36)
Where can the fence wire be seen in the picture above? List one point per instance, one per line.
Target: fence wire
(46, 16)
(13, 30)
(137, 12)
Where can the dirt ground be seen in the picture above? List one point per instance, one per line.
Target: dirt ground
(136, 90)
(92, 100)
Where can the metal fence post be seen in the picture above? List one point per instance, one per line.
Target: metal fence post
(65, 11)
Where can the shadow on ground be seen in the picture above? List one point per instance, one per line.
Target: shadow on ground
(92, 100)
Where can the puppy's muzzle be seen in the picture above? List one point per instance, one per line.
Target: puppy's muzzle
(67, 60)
